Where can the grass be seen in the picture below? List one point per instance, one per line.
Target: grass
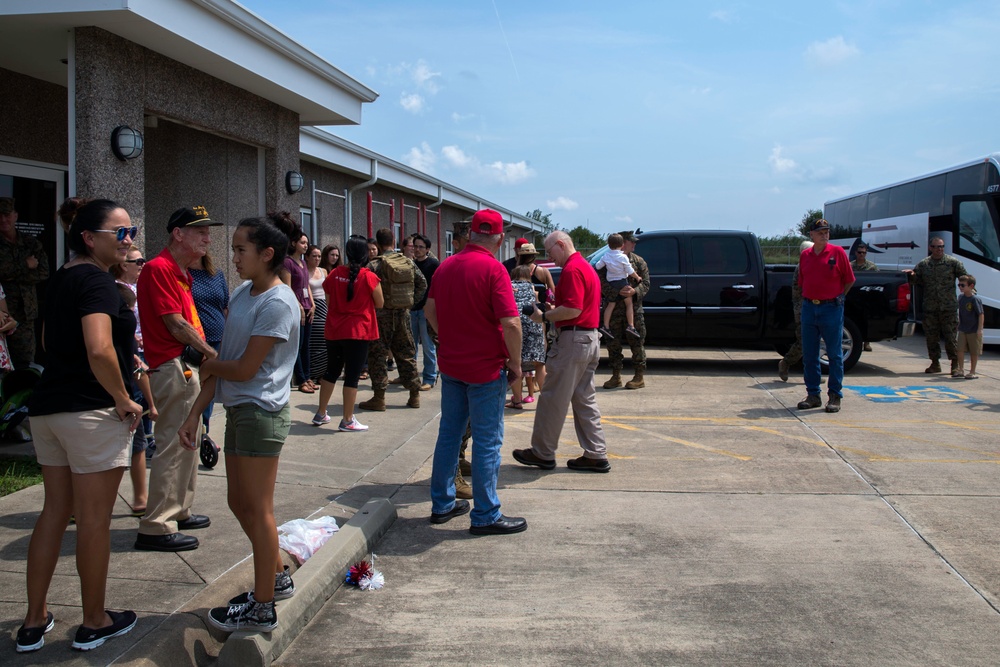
(18, 473)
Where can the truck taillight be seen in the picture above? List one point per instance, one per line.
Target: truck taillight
(903, 296)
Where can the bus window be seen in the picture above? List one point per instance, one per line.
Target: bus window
(929, 196)
(977, 232)
(901, 200)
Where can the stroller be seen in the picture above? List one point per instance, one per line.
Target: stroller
(15, 389)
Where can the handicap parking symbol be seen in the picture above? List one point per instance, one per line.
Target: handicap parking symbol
(921, 393)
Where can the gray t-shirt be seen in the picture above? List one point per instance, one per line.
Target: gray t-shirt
(969, 310)
(274, 314)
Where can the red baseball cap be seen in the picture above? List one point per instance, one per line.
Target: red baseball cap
(487, 221)
(520, 242)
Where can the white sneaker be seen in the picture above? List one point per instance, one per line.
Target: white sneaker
(319, 420)
(353, 425)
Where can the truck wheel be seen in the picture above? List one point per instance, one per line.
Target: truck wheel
(851, 344)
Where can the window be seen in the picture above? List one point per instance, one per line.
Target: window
(901, 200)
(977, 233)
(858, 213)
(662, 254)
(878, 205)
(928, 196)
(719, 254)
(448, 247)
(968, 181)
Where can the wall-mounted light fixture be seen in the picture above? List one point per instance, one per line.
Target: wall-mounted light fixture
(294, 182)
(126, 143)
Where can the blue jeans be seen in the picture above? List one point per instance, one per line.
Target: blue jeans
(422, 338)
(483, 405)
(825, 320)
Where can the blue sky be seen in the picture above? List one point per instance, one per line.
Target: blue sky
(663, 114)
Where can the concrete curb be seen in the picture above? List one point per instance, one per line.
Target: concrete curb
(315, 582)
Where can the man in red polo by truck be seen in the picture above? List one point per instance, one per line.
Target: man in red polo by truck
(174, 348)
(570, 365)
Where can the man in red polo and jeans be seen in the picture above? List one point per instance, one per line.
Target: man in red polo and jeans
(174, 347)
(570, 365)
(471, 306)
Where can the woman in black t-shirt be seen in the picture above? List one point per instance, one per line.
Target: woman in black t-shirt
(82, 418)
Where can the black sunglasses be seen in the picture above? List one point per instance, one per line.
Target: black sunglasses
(120, 233)
(138, 262)
(962, 284)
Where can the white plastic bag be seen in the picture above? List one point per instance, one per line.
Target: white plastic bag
(303, 537)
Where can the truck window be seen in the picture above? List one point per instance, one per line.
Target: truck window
(719, 254)
(662, 255)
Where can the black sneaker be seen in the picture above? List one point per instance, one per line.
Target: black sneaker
(284, 588)
(249, 615)
(32, 639)
(122, 622)
(605, 333)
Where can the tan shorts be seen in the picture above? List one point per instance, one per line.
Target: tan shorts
(973, 342)
(92, 441)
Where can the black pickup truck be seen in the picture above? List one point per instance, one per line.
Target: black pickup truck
(713, 288)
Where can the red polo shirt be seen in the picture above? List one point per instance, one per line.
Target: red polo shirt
(164, 288)
(472, 293)
(823, 275)
(579, 287)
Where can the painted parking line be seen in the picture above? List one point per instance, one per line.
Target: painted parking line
(685, 443)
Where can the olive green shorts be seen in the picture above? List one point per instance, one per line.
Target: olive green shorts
(253, 431)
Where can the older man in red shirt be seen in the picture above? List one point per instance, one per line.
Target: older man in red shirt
(570, 365)
(471, 306)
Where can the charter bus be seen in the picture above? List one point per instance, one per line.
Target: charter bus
(957, 204)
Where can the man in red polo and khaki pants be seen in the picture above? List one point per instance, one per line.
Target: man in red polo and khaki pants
(570, 365)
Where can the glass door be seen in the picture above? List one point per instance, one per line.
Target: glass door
(37, 191)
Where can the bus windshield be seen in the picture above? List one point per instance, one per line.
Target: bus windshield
(977, 230)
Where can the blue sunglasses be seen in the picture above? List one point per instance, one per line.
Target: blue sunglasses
(120, 233)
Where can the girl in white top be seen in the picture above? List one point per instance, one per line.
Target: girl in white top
(317, 341)
(251, 378)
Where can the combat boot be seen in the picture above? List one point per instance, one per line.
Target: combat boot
(463, 489)
(414, 401)
(783, 370)
(615, 381)
(637, 382)
(954, 367)
(376, 403)
(935, 367)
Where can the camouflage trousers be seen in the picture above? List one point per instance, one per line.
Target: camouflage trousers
(394, 336)
(615, 350)
(794, 354)
(22, 345)
(941, 325)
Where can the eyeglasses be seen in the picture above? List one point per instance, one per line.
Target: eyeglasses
(119, 233)
(139, 261)
(937, 246)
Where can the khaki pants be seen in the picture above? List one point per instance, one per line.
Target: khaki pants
(569, 380)
(173, 469)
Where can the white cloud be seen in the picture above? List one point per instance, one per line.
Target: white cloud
(412, 102)
(627, 219)
(461, 117)
(831, 52)
(723, 15)
(421, 158)
(781, 164)
(510, 173)
(456, 157)
(425, 78)
(562, 204)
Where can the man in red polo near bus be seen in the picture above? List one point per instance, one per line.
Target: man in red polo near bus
(471, 306)
(570, 365)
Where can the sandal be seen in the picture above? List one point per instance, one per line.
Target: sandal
(363, 376)
(971, 376)
(530, 399)
(514, 405)
(138, 512)
(306, 389)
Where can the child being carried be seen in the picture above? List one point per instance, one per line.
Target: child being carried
(620, 272)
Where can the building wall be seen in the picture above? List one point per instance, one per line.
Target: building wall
(33, 119)
(203, 149)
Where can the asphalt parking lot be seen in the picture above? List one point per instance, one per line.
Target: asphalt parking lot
(733, 529)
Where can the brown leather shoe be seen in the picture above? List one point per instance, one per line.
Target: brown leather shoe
(426, 387)
(527, 457)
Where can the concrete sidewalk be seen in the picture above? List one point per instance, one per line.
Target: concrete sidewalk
(733, 529)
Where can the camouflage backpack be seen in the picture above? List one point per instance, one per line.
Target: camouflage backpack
(396, 274)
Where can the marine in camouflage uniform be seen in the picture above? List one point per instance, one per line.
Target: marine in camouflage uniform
(794, 354)
(863, 265)
(619, 323)
(395, 336)
(23, 264)
(936, 276)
